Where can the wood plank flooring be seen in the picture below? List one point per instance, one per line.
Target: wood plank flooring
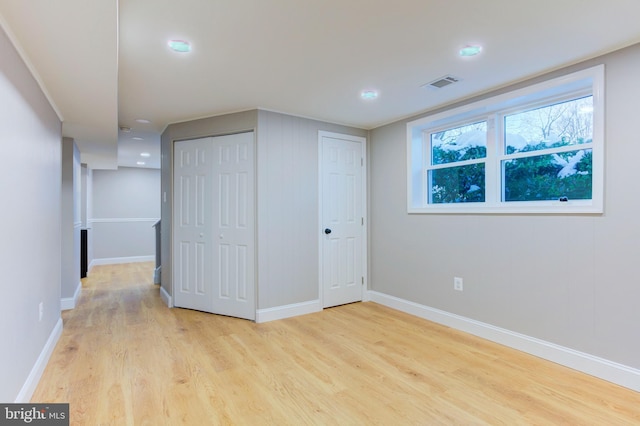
(124, 358)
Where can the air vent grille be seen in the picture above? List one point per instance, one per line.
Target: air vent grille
(442, 82)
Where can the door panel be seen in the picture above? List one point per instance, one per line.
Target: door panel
(192, 229)
(235, 226)
(342, 211)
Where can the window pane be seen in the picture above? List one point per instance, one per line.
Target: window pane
(561, 124)
(467, 142)
(549, 177)
(463, 184)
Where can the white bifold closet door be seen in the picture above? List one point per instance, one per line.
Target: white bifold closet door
(214, 225)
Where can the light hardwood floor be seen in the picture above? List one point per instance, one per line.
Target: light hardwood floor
(124, 358)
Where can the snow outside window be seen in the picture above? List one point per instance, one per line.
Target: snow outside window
(535, 150)
(456, 170)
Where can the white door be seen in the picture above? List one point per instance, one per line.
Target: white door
(193, 225)
(234, 229)
(213, 225)
(342, 218)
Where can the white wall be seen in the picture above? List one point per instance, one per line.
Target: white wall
(126, 204)
(565, 279)
(70, 224)
(30, 173)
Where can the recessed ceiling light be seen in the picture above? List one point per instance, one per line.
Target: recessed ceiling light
(369, 94)
(143, 121)
(125, 129)
(181, 46)
(137, 138)
(145, 154)
(141, 163)
(470, 50)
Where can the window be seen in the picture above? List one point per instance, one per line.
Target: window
(535, 150)
(456, 170)
(548, 152)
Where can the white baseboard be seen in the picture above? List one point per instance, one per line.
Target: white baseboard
(70, 302)
(29, 387)
(116, 260)
(166, 297)
(595, 366)
(287, 311)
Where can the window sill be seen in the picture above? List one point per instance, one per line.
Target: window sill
(544, 208)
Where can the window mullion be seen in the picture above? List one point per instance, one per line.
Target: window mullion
(548, 151)
(501, 144)
(426, 162)
(456, 164)
(491, 175)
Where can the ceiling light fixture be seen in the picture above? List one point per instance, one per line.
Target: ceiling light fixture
(369, 94)
(137, 138)
(470, 50)
(125, 129)
(143, 120)
(180, 46)
(141, 163)
(145, 154)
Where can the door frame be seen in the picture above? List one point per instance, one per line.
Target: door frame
(172, 198)
(365, 228)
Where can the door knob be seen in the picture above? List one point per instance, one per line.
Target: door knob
(327, 231)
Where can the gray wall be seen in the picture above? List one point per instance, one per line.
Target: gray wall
(71, 220)
(566, 279)
(288, 207)
(126, 204)
(30, 171)
(287, 199)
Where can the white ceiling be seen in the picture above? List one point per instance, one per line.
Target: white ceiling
(105, 63)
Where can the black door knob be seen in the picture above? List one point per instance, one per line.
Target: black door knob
(327, 231)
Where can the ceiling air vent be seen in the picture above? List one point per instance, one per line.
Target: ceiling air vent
(442, 82)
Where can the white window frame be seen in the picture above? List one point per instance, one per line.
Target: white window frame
(582, 83)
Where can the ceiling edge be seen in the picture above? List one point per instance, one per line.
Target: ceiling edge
(32, 69)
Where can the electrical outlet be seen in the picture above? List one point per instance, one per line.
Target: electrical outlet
(457, 283)
(40, 311)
